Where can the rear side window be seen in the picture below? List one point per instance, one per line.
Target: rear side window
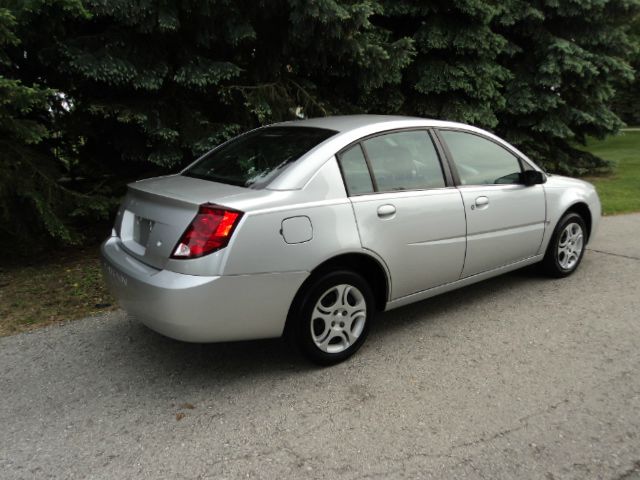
(256, 158)
(355, 171)
(404, 161)
(480, 161)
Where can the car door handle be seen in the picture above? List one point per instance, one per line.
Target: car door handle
(482, 201)
(385, 211)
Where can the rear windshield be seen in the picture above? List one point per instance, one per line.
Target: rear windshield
(256, 158)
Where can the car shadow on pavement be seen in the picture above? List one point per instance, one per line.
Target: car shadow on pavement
(153, 348)
(144, 350)
(115, 355)
(455, 301)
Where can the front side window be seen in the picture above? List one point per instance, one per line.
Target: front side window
(254, 159)
(480, 161)
(404, 161)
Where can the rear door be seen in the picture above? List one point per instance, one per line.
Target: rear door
(505, 219)
(406, 211)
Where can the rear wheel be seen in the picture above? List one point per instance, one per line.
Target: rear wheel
(332, 317)
(566, 248)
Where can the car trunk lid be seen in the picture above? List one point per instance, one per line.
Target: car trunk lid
(156, 212)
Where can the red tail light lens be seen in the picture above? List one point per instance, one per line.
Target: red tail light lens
(209, 231)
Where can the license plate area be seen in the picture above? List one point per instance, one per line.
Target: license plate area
(134, 232)
(142, 228)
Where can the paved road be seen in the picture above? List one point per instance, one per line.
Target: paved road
(518, 377)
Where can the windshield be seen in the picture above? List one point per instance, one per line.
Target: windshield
(256, 158)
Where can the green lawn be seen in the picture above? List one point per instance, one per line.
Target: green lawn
(620, 191)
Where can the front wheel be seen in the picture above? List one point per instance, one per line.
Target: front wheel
(332, 317)
(566, 248)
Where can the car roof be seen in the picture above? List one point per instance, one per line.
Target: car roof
(350, 128)
(344, 123)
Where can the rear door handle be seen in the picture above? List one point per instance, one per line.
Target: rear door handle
(482, 201)
(386, 211)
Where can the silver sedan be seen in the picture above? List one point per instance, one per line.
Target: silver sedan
(308, 228)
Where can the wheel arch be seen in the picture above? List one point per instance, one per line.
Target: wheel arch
(369, 267)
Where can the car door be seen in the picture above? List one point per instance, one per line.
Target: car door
(505, 219)
(405, 211)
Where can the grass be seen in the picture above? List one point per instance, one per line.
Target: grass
(620, 191)
(70, 286)
(52, 291)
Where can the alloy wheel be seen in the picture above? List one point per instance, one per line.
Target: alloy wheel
(570, 245)
(338, 318)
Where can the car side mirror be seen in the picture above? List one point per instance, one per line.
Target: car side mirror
(532, 177)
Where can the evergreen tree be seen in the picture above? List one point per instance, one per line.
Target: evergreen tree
(542, 74)
(626, 103)
(140, 87)
(33, 202)
(94, 93)
(455, 74)
(565, 59)
(164, 83)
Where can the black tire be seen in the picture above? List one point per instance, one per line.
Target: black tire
(301, 316)
(552, 264)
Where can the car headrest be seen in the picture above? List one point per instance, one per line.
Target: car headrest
(399, 162)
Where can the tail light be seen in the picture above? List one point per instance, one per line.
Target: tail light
(209, 231)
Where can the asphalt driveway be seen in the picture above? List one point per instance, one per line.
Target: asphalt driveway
(517, 377)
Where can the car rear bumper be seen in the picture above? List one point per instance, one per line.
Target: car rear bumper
(200, 308)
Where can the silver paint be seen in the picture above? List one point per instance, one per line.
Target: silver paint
(297, 229)
(507, 227)
(426, 241)
(422, 243)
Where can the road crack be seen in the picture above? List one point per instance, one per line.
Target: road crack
(520, 423)
(613, 254)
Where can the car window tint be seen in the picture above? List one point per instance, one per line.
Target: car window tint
(480, 161)
(355, 171)
(256, 158)
(404, 160)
